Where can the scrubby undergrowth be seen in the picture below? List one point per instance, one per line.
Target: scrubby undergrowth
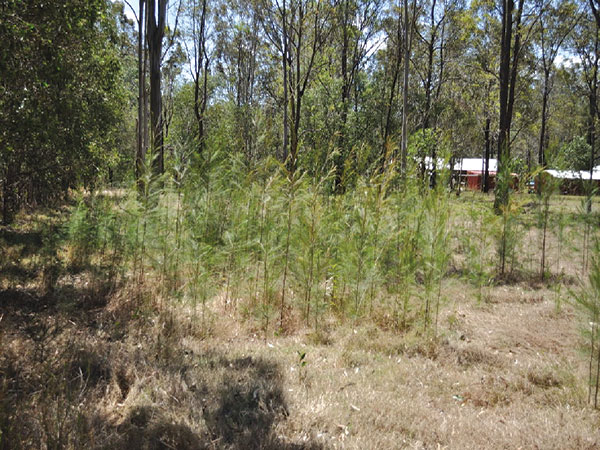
(165, 322)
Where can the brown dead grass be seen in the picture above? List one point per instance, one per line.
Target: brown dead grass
(85, 366)
(500, 375)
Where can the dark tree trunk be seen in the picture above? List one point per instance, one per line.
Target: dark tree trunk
(390, 103)
(407, 49)
(141, 150)
(9, 195)
(285, 82)
(514, 68)
(200, 96)
(542, 143)
(508, 80)
(486, 160)
(591, 76)
(405, 92)
(297, 93)
(428, 88)
(295, 103)
(591, 134)
(508, 6)
(155, 34)
(595, 5)
(306, 47)
(591, 138)
(429, 75)
(345, 97)
(146, 118)
(200, 86)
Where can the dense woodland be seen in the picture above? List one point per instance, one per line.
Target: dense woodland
(348, 86)
(199, 194)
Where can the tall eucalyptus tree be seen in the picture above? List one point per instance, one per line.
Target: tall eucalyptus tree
(155, 32)
(557, 19)
(586, 43)
(356, 25)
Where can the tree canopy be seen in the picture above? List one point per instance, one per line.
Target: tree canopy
(62, 96)
(330, 85)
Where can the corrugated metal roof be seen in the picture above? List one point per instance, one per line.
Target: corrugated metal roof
(574, 174)
(467, 164)
(475, 164)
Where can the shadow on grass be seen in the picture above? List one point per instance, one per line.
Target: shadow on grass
(68, 302)
(31, 241)
(15, 247)
(228, 403)
(240, 411)
(67, 359)
(17, 273)
(250, 402)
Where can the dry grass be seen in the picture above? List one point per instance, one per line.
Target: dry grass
(86, 366)
(502, 375)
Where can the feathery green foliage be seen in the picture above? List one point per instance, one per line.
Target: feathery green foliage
(588, 300)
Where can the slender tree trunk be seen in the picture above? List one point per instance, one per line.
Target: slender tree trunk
(407, 48)
(156, 30)
(297, 91)
(297, 79)
(198, 112)
(146, 115)
(294, 141)
(251, 139)
(428, 84)
(429, 77)
(389, 109)
(293, 135)
(141, 150)
(201, 68)
(285, 82)
(542, 143)
(593, 112)
(486, 161)
(9, 194)
(508, 78)
(200, 102)
(508, 6)
(595, 5)
(390, 103)
(514, 66)
(591, 137)
(345, 98)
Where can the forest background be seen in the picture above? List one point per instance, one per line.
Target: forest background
(232, 224)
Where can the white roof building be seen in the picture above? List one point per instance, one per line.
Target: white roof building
(475, 165)
(574, 174)
(467, 164)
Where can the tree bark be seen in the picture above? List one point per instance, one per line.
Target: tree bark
(285, 82)
(201, 66)
(407, 49)
(595, 5)
(141, 150)
(9, 194)
(509, 62)
(486, 161)
(542, 143)
(345, 98)
(155, 34)
(591, 134)
(514, 68)
(296, 88)
(306, 47)
(429, 94)
(390, 102)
